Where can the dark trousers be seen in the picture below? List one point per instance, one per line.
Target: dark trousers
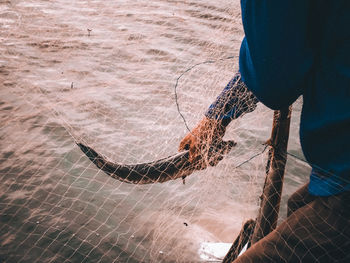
(317, 229)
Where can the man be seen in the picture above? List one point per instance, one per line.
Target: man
(293, 48)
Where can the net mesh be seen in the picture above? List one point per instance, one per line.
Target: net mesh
(103, 73)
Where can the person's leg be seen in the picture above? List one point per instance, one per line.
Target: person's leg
(299, 198)
(316, 232)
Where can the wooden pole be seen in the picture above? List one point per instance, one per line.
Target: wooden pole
(242, 239)
(254, 230)
(271, 196)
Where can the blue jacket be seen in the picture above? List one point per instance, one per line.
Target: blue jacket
(302, 47)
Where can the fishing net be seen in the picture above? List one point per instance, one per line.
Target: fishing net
(125, 79)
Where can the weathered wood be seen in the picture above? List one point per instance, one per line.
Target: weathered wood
(242, 239)
(271, 196)
(266, 221)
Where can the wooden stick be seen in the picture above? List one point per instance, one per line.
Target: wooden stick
(271, 197)
(240, 242)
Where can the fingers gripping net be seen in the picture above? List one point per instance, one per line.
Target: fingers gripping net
(103, 74)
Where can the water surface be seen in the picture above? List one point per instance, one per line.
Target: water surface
(103, 72)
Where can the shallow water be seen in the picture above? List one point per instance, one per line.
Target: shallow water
(112, 86)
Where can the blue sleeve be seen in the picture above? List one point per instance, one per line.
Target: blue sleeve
(275, 55)
(234, 101)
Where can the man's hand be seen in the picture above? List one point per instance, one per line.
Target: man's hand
(205, 143)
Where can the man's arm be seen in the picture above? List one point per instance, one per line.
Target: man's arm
(234, 101)
(275, 59)
(276, 54)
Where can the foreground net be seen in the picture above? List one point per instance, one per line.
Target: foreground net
(112, 87)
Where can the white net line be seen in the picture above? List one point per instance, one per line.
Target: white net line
(114, 91)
